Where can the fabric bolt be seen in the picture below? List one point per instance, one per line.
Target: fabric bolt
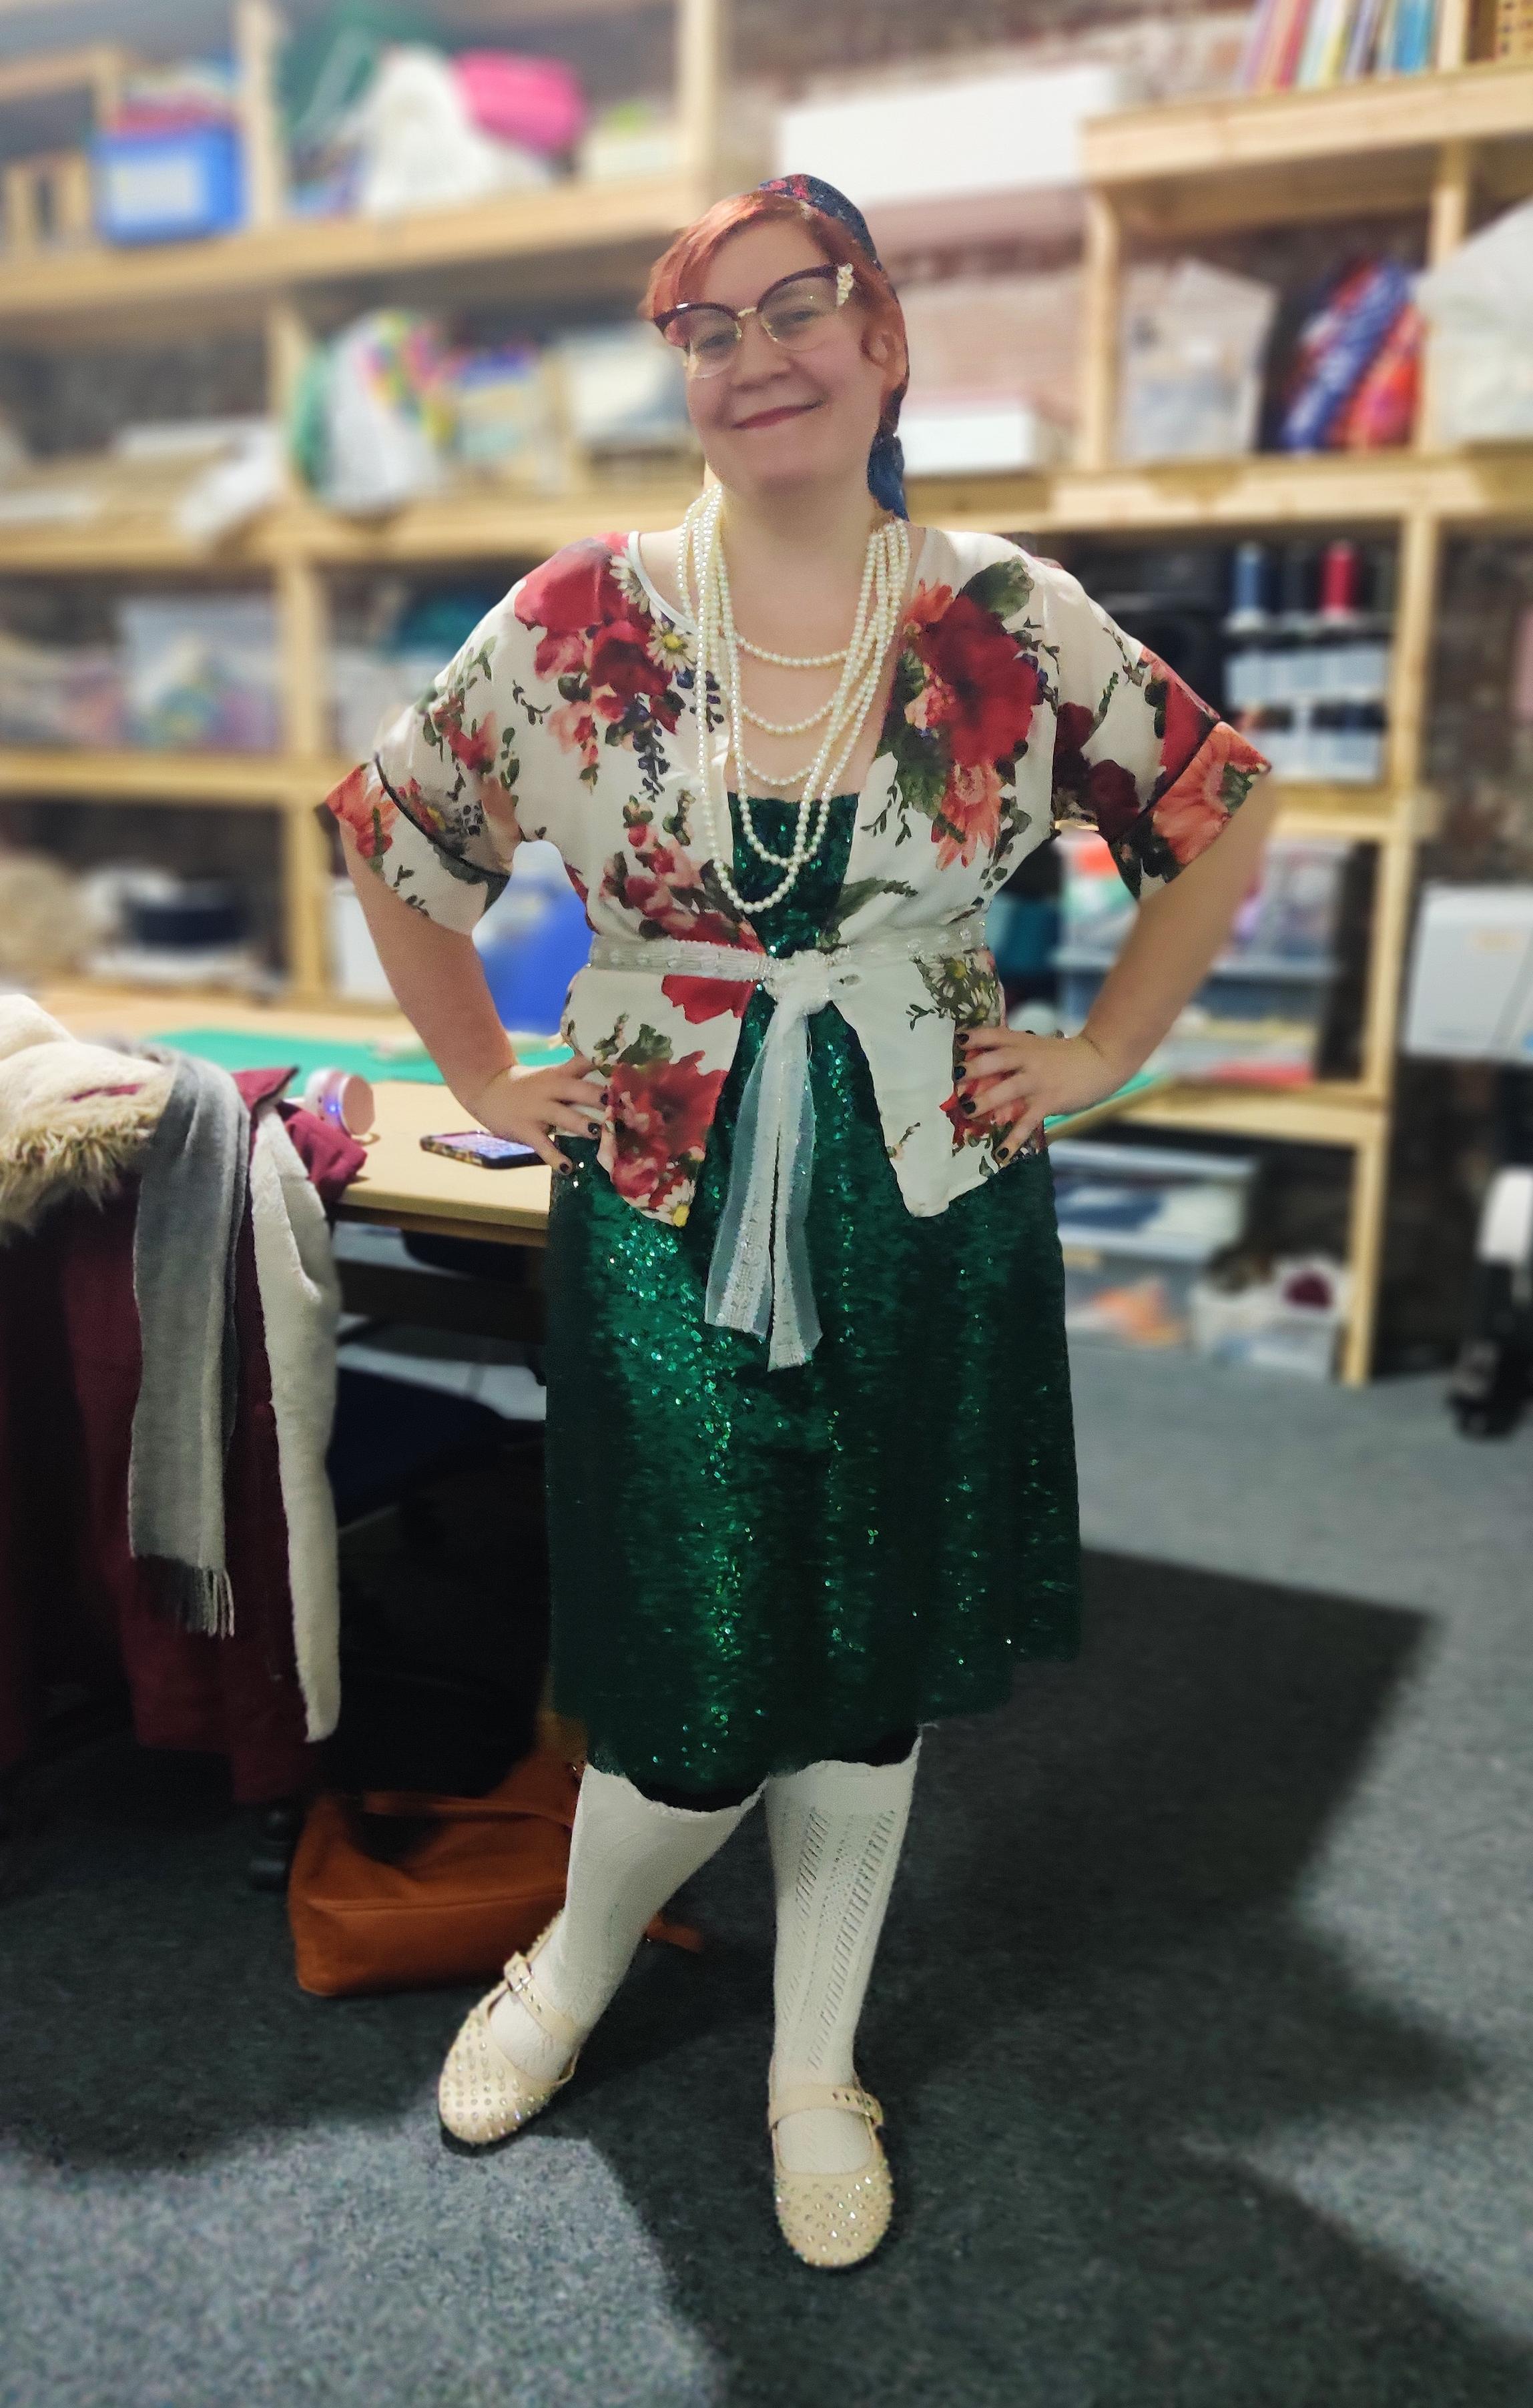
(753, 1569)
(834, 1831)
(627, 1856)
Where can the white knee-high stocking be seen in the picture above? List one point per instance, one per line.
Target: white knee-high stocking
(836, 1831)
(627, 1856)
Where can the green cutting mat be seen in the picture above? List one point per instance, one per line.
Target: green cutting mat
(242, 1049)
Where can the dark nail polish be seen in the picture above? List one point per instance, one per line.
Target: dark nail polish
(594, 1127)
(965, 1103)
(961, 1041)
(564, 1169)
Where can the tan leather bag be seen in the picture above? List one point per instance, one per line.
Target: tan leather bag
(401, 1890)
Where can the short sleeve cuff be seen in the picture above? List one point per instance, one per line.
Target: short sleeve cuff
(1198, 804)
(412, 863)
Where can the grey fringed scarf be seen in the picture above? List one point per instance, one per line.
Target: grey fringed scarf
(191, 1206)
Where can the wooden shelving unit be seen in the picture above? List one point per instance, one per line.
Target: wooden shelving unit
(1441, 144)
(285, 275)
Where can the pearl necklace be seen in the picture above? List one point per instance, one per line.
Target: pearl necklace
(793, 660)
(880, 603)
(784, 726)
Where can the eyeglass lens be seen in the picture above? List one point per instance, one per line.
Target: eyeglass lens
(792, 316)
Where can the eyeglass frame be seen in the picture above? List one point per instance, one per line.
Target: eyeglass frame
(845, 276)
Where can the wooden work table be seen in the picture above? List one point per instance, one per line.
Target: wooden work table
(405, 1188)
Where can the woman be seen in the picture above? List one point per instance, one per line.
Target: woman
(809, 1456)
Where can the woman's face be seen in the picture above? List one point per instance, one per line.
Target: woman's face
(774, 419)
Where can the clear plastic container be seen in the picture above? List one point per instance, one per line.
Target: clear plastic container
(1136, 1227)
(1289, 1323)
(201, 672)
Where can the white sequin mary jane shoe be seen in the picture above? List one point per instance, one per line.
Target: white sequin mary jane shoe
(832, 2219)
(482, 2096)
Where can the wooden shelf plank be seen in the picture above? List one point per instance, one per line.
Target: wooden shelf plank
(1354, 814)
(257, 780)
(119, 544)
(1357, 121)
(569, 219)
(1256, 491)
(1340, 1112)
(478, 522)
(1261, 489)
(1490, 485)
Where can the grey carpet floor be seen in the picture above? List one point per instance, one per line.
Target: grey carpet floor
(1203, 2019)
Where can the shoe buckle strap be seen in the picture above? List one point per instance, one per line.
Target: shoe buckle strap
(520, 1986)
(850, 2097)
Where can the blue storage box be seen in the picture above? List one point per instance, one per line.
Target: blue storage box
(168, 187)
(532, 942)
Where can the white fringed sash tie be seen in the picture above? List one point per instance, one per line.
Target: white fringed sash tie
(759, 1277)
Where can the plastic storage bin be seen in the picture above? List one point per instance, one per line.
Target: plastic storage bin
(1278, 965)
(168, 187)
(1289, 1323)
(1137, 1225)
(532, 942)
(1254, 986)
(201, 672)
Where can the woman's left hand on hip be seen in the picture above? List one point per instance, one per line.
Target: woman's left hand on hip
(1042, 1075)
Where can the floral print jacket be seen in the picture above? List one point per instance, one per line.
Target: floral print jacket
(569, 714)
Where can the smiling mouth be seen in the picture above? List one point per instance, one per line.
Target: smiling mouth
(772, 416)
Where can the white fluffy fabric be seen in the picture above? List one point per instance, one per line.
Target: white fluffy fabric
(836, 1831)
(73, 1118)
(300, 1306)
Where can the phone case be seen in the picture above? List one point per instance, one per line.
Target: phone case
(479, 1146)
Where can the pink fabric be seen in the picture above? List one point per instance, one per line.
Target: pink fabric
(75, 1607)
(535, 101)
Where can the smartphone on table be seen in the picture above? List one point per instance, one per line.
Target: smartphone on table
(478, 1145)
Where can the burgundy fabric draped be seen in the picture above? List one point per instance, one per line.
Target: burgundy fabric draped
(75, 1610)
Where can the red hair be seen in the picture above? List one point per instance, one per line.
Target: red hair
(679, 270)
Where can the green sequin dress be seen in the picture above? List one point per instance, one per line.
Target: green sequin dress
(755, 1570)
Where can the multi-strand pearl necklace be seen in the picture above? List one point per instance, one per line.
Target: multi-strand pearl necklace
(880, 602)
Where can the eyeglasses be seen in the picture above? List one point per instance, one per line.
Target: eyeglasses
(793, 313)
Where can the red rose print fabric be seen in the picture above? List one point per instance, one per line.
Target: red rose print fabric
(571, 716)
(1138, 752)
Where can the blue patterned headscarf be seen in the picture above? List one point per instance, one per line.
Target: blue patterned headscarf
(886, 460)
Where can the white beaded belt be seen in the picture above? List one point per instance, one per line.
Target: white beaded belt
(758, 1276)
